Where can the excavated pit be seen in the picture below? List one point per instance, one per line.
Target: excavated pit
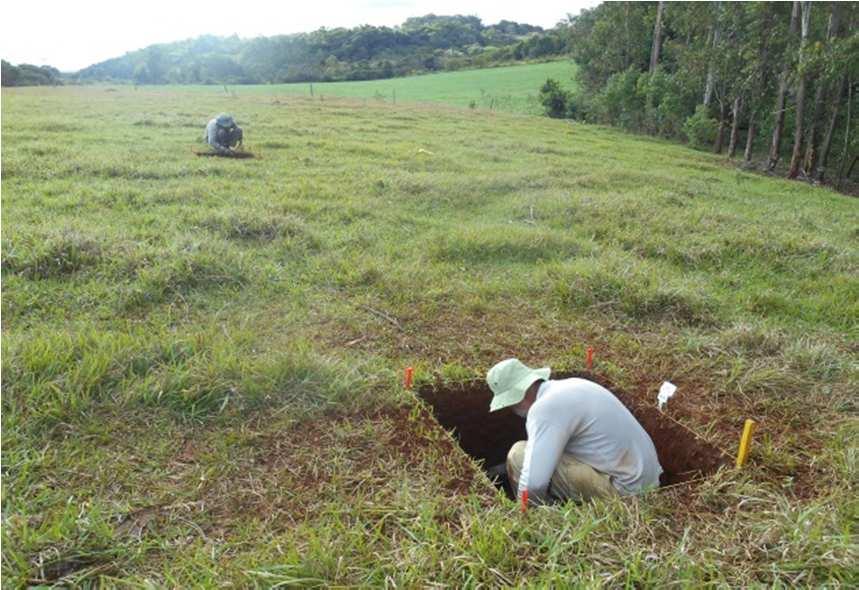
(464, 409)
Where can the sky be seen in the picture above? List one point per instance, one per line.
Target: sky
(72, 35)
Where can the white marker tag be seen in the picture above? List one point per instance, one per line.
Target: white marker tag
(665, 392)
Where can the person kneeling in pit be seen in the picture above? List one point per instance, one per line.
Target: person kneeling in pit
(222, 134)
(582, 441)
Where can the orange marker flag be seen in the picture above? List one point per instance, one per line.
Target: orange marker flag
(408, 377)
(589, 358)
(524, 500)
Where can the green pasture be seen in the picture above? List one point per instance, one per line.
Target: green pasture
(507, 88)
(201, 357)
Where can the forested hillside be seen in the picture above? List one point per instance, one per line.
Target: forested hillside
(421, 44)
(29, 75)
(773, 81)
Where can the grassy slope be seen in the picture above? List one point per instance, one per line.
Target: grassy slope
(508, 88)
(174, 329)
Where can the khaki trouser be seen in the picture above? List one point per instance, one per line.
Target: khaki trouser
(572, 479)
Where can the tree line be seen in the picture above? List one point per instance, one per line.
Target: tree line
(29, 75)
(421, 44)
(775, 80)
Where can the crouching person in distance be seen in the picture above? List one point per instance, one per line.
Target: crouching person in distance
(582, 441)
(222, 134)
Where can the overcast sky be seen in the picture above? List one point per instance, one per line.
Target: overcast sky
(73, 34)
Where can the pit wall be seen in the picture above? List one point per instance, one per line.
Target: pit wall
(464, 408)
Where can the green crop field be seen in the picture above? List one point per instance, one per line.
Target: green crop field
(508, 88)
(201, 357)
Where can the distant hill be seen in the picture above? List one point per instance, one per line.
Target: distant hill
(421, 44)
(29, 75)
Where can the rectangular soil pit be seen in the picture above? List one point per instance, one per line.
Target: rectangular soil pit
(464, 408)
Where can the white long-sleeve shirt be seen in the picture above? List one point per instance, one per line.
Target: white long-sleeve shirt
(587, 421)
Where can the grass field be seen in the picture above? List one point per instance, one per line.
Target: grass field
(509, 88)
(201, 357)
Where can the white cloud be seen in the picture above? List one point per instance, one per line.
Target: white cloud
(72, 35)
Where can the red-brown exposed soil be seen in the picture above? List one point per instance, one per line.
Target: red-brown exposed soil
(285, 475)
(289, 474)
(465, 409)
(234, 155)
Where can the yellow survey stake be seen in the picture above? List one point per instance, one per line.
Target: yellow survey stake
(745, 442)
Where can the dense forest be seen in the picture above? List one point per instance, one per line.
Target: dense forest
(774, 81)
(29, 75)
(421, 44)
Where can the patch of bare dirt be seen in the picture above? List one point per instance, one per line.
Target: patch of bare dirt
(465, 408)
(338, 459)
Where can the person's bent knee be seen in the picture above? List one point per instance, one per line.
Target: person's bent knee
(516, 454)
(515, 460)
